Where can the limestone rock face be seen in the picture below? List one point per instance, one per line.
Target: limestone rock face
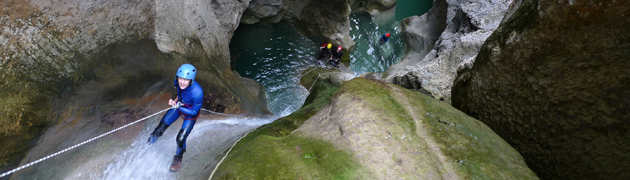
(322, 21)
(327, 21)
(45, 33)
(201, 31)
(182, 26)
(370, 129)
(371, 5)
(468, 25)
(554, 81)
(49, 47)
(260, 9)
(45, 47)
(421, 33)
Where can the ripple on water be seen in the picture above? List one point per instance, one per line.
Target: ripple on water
(287, 53)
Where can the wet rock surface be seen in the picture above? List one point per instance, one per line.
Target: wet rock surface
(468, 24)
(51, 48)
(370, 129)
(322, 21)
(553, 81)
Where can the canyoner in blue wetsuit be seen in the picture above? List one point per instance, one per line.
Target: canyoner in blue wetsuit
(384, 38)
(187, 105)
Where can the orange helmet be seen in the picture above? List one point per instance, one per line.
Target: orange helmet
(386, 34)
(339, 48)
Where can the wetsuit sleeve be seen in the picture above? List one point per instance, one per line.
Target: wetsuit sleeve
(197, 96)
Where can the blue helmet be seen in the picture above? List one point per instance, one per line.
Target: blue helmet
(187, 71)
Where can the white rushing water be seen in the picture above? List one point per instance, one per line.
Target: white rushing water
(205, 146)
(273, 55)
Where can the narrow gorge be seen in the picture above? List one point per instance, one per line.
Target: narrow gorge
(517, 89)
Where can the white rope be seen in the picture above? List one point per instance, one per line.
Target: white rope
(219, 113)
(107, 133)
(307, 72)
(226, 154)
(309, 89)
(70, 148)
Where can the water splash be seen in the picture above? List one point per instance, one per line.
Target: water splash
(274, 56)
(366, 30)
(206, 143)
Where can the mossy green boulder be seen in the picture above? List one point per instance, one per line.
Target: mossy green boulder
(370, 129)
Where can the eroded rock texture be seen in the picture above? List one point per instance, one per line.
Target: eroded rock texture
(322, 21)
(554, 81)
(369, 129)
(468, 24)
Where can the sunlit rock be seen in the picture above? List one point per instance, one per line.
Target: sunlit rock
(368, 129)
(468, 24)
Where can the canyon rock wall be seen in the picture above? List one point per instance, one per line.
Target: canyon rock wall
(554, 81)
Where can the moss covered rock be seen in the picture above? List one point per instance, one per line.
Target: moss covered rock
(49, 49)
(373, 130)
(270, 152)
(554, 81)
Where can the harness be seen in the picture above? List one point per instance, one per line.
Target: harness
(184, 115)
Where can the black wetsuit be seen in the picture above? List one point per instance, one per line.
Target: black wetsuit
(336, 55)
(323, 52)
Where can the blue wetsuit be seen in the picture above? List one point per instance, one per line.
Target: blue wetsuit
(192, 98)
(384, 39)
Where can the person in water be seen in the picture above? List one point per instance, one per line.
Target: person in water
(187, 105)
(336, 56)
(324, 50)
(384, 38)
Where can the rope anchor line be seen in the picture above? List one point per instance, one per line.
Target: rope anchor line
(89, 140)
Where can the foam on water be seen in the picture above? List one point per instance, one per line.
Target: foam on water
(366, 30)
(274, 55)
(206, 144)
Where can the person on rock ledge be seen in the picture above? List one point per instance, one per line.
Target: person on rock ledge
(187, 105)
(336, 56)
(324, 50)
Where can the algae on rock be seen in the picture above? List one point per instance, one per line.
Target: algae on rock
(376, 130)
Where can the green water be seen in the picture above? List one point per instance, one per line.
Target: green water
(275, 55)
(406, 8)
(368, 54)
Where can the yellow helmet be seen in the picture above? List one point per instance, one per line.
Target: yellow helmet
(329, 46)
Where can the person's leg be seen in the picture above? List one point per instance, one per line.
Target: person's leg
(181, 137)
(167, 120)
(181, 144)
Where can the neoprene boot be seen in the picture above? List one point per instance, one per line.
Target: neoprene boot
(157, 132)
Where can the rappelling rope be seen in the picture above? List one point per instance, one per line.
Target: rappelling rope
(84, 142)
(226, 154)
(309, 89)
(90, 140)
(219, 113)
(307, 73)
